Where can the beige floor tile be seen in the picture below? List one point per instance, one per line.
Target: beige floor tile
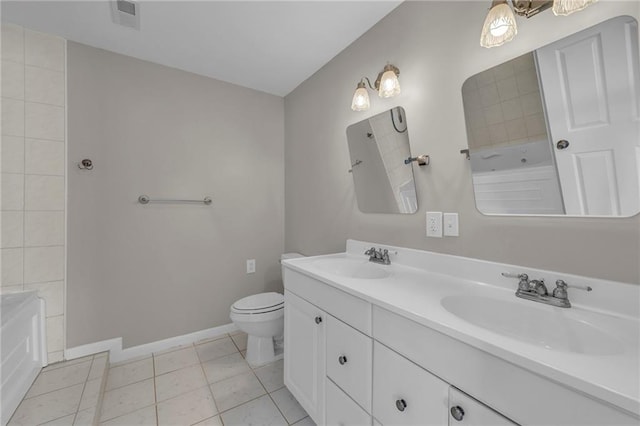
(85, 417)
(225, 367)
(62, 421)
(216, 349)
(98, 366)
(261, 411)
(129, 361)
(236, 390)
(129, 373)
(211, 421)
(127, 399)
(91, 394)
(59, 378)
(180, 381)
(272, 375)
(175, 360)
(188, 408)
(288, 405)
(305, 422)
(143, 417)
(49, 406)
(61, 364)
(240, 340)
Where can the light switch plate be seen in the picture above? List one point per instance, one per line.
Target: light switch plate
(434, 224)
(251, 266)
(450, 223)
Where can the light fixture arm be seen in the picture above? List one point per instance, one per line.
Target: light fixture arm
(361, 84)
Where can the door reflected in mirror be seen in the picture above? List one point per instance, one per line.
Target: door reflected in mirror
(378, 147)
(557, 131)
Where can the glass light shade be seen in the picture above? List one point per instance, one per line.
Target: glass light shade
(567, 7)
(499, 26)
(360, 100)
(389, 85)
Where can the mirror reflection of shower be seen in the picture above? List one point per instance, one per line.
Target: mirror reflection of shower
(378, 147)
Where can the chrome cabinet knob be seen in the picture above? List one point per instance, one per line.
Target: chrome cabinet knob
(401, 404)
(562, 144)
(318, 319)
(457, 412)
(342, 359)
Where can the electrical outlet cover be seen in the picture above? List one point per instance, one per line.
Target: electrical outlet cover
(434, 224)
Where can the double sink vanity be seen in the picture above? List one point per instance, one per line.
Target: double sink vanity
(432, 339)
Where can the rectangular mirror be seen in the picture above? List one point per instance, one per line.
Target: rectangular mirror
(378, 147)
(557, 131)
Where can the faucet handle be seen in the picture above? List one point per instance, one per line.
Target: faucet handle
(563, 284)
(560, 292)
(524, 284)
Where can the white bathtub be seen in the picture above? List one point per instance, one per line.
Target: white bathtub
(23, 349)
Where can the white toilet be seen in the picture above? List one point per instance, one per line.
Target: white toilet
(261, 316)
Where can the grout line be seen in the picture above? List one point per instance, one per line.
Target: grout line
(24, 157)
(155, 392)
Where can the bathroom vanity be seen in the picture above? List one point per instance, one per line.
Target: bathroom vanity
(434, 339)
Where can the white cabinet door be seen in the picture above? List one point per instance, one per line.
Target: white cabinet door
(349, 361)
(591, 89)
(304, 354)
(342, 410)
(466, 411)
(406, 394)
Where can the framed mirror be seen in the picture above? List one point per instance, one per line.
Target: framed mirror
(378, 147)
(557, 131)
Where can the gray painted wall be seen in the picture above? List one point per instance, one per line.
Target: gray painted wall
(151, 272)
(436, 47)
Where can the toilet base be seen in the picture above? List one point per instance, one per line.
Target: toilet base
(261, 351)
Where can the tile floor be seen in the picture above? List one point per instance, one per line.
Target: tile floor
(207, 383)
(66, 393)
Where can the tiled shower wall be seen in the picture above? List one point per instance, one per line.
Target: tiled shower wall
(33, 172)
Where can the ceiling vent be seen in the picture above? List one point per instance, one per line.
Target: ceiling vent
(126, 13)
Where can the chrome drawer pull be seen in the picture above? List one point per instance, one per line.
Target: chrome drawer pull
(342, 359)
(401, 404)
(457, 412)
(318, 319)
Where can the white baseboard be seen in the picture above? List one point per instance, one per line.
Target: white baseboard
(117, 354)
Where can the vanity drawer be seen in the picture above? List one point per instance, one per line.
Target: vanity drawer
(342, 410)
(349, 362)
(404, 393)
(471, 412)
(350, 309)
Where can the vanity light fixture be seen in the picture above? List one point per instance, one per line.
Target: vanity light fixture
(567, 7)
(500, 24)
(386, 84)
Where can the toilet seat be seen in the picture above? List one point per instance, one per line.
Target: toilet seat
(259, 304)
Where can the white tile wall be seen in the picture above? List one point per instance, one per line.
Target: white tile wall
(33, 172)
(12, 154)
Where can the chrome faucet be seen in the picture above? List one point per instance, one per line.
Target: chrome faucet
(536, 290)
(378, 256)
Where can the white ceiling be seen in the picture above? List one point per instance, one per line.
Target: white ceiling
(271, 46)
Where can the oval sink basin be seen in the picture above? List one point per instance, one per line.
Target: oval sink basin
(551, 329)
(352, 268)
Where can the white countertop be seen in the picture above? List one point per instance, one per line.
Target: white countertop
(414, 289)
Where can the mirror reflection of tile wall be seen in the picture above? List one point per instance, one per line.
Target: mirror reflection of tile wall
(393, 151)
(504, 106)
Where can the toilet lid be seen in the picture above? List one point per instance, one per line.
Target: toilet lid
(259, 301)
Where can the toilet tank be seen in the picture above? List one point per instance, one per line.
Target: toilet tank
(285, 256)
